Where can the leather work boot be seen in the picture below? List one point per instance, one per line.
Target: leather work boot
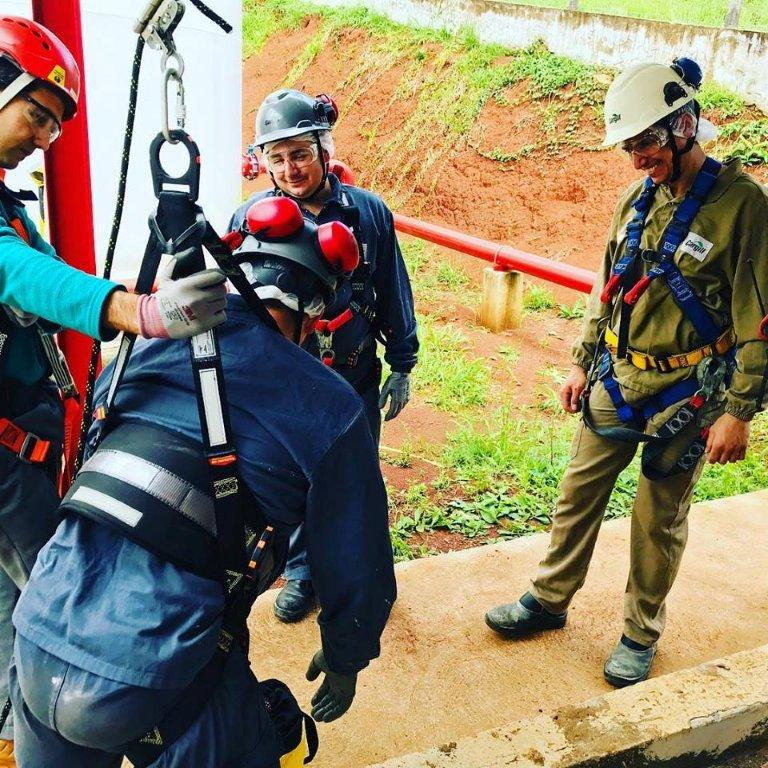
(6, 754)
(627, 666)
(295, 600)
(522, 618)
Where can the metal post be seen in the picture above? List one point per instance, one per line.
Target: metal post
(68, 191)
(733, 15)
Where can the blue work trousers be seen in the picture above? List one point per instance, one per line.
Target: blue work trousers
(296, 566)
(67, 717)
(28, 517)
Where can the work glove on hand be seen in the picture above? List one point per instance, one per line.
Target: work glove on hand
(184, 307)
(398, 388)
(335, 694)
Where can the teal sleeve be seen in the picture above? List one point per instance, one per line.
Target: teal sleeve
(34, 279)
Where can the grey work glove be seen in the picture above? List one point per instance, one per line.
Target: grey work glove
(184, 307)
(397, 388)
(335, 694)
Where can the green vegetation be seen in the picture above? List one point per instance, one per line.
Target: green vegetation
(573, 312)
(502, 475)
(710, 13)
(446, 376)
(446, 80)
(538, 298)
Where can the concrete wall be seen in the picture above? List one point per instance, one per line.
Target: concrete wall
(212, 79)
(737, 60)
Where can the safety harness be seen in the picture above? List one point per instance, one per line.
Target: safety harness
(325, 329)
(715, 360)
(30, 448)
(144, 481)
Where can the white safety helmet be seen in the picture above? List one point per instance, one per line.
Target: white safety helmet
(643, 95)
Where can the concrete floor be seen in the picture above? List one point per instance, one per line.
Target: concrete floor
(444, 675)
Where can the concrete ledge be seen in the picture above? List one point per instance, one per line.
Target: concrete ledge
(676, 720)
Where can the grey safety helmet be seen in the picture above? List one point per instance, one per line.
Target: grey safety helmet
(287, 113)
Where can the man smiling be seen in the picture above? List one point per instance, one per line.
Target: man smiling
(293, 132)
(668, 357)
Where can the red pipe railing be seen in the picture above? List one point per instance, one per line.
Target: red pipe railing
(503, 257)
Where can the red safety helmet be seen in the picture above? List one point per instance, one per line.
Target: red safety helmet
(295, 255)
(39, 55)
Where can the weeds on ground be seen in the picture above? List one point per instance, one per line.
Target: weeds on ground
(502, 477)
(446, 376)
(537, 298)
(574, 311)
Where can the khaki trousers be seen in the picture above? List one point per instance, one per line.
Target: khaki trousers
(659, 528)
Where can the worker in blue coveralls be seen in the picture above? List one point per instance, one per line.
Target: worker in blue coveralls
(112, 633)
(293, 132)
(39, 293)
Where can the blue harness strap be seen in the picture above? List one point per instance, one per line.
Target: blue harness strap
(688, 391)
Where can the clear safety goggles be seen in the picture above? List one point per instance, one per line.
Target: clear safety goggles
(41, 119)
(300, 157)
(649, 142)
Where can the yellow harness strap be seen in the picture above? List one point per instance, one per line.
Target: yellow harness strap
(644, 361)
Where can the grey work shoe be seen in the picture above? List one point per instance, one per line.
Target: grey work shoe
(627, 666)
(295, 600)
(515, 620)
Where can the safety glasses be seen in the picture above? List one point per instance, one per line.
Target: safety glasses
(649, 142)
(41, 118)
(299, 158)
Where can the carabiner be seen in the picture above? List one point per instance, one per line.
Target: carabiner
(175, 73)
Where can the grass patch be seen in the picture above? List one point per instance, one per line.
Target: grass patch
(708, 13)
(503, 474)
(538, 298)
(447, 376)
(432, 277)
(573, 311)
(746, 140)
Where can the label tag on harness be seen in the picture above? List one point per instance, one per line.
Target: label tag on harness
(696, 246)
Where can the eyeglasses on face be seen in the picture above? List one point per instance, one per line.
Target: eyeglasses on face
(649, 142)
(300, 157)
(41, 118)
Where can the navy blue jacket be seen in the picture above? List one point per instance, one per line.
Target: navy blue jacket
(388, 289)
(306, 454)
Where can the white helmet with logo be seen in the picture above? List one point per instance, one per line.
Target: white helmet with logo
(643, 95)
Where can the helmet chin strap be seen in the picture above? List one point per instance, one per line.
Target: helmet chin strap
(677, 153)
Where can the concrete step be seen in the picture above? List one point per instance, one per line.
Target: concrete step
(444, 676)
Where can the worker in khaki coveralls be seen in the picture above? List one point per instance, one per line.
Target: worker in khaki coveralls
(695, 301)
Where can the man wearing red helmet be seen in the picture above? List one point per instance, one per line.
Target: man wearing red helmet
(39, 293)
(375, 305)
(122, 614)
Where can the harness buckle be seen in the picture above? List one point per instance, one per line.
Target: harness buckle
(34, 449)
(663, 365)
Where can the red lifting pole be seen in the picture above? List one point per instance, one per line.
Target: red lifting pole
(70, 208)
(503, 257)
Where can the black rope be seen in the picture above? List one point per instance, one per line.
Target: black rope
(212, 15)
(85, 425)
(6, 711)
